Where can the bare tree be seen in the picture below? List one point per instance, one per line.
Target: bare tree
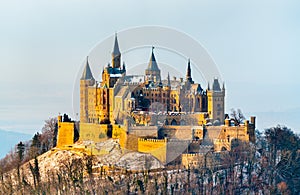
(48, 134)
(237, 116)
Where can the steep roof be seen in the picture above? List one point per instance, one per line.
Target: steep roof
(152, 63)
(116, 50)
(216, 85)
(87, 74)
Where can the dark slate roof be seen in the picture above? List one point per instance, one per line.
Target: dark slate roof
(87, 74)
(216, 85)
(112, 70)
(152, 63)
(116, 50)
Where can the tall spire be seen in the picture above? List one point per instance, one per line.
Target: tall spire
(153, 72)
(152, 62)
(169, 82)
(116, 54)
(189, 72)
(87, 74)
(116, 50)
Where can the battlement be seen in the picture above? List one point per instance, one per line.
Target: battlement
(192, 155)
(178, 140)
(221, 141)
(205, 146)
(152, 140)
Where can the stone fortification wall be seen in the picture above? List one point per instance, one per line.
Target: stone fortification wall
(94, 132)
(156, 147)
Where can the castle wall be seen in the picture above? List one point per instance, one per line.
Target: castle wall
(143, 131)
(65, 135)
(192, 160)
(119, 132)
(93, 132)
(155, 147)
(175, 148)
(176, 132)
(220, 144)
(199, 160)
(222, 136)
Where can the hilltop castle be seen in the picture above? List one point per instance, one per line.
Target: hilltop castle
(150, 114)
(103, 102)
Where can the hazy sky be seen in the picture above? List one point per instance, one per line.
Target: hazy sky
(256, 46)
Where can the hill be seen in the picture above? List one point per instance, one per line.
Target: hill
(71, 170)
(9, 139)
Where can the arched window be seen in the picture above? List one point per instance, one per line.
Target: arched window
(173, 122)
(182, 122)
(223, 148)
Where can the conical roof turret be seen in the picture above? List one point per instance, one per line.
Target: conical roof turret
(169, 82)
(116, 50)
(87, 73)
(216, 85)
(189, 73)
(152, 65)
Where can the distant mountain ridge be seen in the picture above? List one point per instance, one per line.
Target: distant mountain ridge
(8, 140)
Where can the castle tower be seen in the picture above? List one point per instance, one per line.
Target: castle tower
(189, 73)
(110, 76)
(153, 72)
(116, 54)
(86, 81)
(216, 101)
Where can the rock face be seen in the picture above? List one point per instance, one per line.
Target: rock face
(138, 161)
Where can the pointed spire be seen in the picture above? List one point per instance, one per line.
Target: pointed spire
(189, 72)
(223, 87)
(116, 54)
(153, 72)
(87, 74)
(216, 85)
(169, 82)
(124, 67)
(116, 50)
(208, 88)
(152, 62)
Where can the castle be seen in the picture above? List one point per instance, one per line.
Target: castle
(146, 113)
